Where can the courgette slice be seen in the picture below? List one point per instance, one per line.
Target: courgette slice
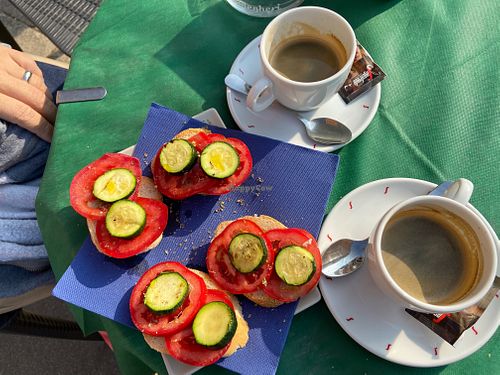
(166, 292)
(214, 325)
(294, 265)
(219, 160)
(178, 156)
(247, 252)
(125, 219)
(115, 184)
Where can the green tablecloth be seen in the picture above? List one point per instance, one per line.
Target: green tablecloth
(438, 119)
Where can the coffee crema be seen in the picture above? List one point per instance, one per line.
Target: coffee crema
(433, 255)
(308, 58)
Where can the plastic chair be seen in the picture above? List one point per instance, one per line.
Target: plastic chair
(20, 322)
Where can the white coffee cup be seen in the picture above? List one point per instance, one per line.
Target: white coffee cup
(442, 206)
(300, 96)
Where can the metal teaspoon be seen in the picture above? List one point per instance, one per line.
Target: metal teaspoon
(323, 130)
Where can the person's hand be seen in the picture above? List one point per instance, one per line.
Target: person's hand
(27, 104)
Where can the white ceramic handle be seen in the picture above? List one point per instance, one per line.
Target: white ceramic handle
(260, 95)
(460, 191)
(236, 83)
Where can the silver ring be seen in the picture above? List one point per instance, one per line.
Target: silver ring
(27, 75)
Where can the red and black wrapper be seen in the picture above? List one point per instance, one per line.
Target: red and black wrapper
(451, 326)
(364, 75)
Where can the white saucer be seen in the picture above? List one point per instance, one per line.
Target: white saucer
(372, 319)
(281, 123)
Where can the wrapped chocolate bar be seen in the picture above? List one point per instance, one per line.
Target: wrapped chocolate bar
(363, 76)
(451, 326)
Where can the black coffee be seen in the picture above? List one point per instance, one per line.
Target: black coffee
(433, 255)
(308, 58)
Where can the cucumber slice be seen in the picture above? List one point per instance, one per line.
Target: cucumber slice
(294, 265)
(125, 219)
(219, 160)
(247, 252)
(166, 292)
(178, 156)
(214, 325)
(114, 185)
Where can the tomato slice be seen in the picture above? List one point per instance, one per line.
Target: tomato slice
(200, 140)
(241, 173)
(196, 181)
(214, 137)
(181, 186)
(166, 324)
(183, 346)
(219, 263)
(80, 192)
(280, 238)
(156, 221)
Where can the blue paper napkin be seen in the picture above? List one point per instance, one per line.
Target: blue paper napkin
(289, 183)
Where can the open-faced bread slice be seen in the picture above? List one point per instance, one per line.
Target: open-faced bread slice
(198, 162)
(147, 189)
(239, 339)
(265, 223)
